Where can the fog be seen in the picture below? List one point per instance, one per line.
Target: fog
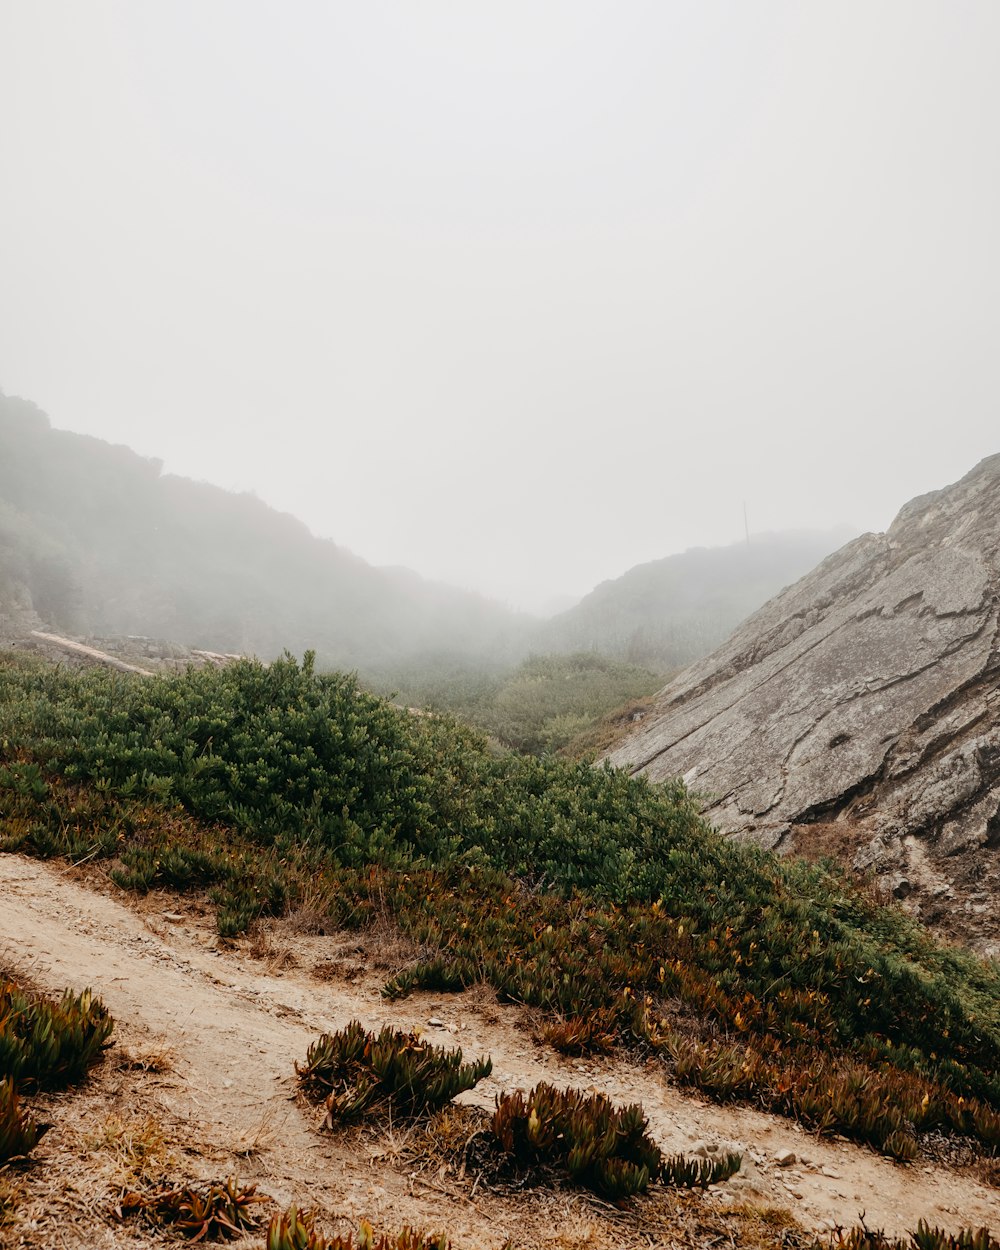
(515, 294)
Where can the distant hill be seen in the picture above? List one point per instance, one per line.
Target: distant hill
(666, 613)
(95, 539)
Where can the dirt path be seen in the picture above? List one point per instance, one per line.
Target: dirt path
(207, 1039)
(89, 653)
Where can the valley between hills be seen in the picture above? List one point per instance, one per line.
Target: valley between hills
(734, 984)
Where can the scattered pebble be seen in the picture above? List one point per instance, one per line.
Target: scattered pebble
(785, 1158)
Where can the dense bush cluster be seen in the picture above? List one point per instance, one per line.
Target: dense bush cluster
(359, 1073)
(286, 755)
(603, 900)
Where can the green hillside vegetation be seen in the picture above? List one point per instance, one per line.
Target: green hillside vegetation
(664, 614)
(539, 706)
(602, 900)
(98, 540)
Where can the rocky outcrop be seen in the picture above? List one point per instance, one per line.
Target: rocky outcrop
(859, 711)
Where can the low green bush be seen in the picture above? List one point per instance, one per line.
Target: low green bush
(600, 1146)
(360, 1073)
(50, 1044)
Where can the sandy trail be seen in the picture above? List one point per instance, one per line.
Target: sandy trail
(234, 1025)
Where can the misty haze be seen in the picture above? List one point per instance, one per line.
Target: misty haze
(499, 624)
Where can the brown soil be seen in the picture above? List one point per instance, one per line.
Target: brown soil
(199, 1085)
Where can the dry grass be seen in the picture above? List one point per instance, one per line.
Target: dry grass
(11, 1194)
(261, 945)
(157, 1057)
(348, 970)
(385, 947)
(763, 1226)
(309, 915)
(136, 1144)
(380, 948)
(987, 1172)
(439, 1144)
(260, 1134)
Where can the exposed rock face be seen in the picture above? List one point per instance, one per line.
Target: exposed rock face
(859, 711)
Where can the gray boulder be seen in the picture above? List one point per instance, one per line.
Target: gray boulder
(858, 712)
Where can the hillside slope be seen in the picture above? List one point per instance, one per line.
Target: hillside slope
(95, 539)
(668, 612)
(858, 709)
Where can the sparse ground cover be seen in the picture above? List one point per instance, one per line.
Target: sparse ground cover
(362, 1077)
(199, 1082)
(602, 901)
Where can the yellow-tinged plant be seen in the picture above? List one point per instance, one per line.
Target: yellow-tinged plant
(361, 1073)
(294, 1230)
(602, 1147)
(19, 1131)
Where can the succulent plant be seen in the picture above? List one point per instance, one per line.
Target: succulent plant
(215, 1212)
(47, 1043)
(19, 1131)
(693, 1173)
(924, 1238)
(601, 1146)
(359, 1073)
(294, 1230)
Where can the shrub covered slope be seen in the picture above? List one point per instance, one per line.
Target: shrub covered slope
(601, 899)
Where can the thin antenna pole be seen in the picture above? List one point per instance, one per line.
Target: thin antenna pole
(746, 523)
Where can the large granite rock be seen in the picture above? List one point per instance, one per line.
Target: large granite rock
(858, 712)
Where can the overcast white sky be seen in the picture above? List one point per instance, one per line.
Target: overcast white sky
(518, 293)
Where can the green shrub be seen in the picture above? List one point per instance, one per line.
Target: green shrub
(600, 1146)
(19, 1132)
(294, 1230)
(50, 1044)
(359, 1073)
